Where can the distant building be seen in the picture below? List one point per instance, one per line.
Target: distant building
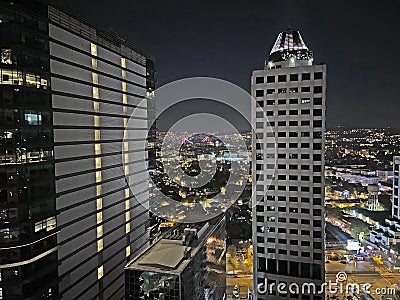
(68, 221)
(396, 203)
(373, 194)
(186, 263)
(288, 220)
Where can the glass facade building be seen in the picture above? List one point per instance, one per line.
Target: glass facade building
(68, 221)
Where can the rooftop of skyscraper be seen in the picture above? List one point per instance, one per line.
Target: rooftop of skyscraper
(289, 46)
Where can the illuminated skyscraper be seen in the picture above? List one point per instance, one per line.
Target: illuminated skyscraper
(68, 221)
(288, 218)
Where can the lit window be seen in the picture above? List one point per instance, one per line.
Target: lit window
(99, 217)
(99, 231)
(99, 245)
(100, 272)
(128, 251)
(93, 49)
(6, 56)
(33, 118)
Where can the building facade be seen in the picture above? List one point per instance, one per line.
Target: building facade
(288, 214)
(396, 203)
(69, 222)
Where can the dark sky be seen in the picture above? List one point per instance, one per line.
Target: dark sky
(358, 40)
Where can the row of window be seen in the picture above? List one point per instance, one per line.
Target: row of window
(316, 134)
(47, 224)
(315, 179)
(315, 146)
(17, 77)
(262, 103)
(316, 201)
(316, 157)
(264, 229)
(292, 77)
(316, 123)
(294, 188)
(305, 89)
(293, 112)
(294, 210)
(23, 155)
(28, 117)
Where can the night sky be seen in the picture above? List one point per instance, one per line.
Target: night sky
(358, 40)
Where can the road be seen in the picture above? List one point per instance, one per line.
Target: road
(244, 282)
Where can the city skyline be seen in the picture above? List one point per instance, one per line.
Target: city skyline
(204, 167)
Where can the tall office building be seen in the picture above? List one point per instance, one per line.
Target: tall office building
(395, 198)
(288, 218)
(68, 221)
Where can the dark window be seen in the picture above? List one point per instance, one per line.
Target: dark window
(305, 145)
(294, 77)
(317, 146)
(317, 135)
(317, 179)
(317, 212)
(259, 79)
(318, 123)
(261, 104)
(293, 123)
(305, 76)
(270, 102)
(281, 78)
(318, 75)
(282, 101)
(293, 101)
(317, 168)
(281, 134)
(259, 93)
(317, 89)
(293, 112)
(317, 101)
(317, 112)
(270, 91)
(282, 123)
(270, 79)
(305, 111)
(305, 89)
(317, 190)
(305, 123)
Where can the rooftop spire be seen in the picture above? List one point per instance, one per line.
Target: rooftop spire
(289, 45)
